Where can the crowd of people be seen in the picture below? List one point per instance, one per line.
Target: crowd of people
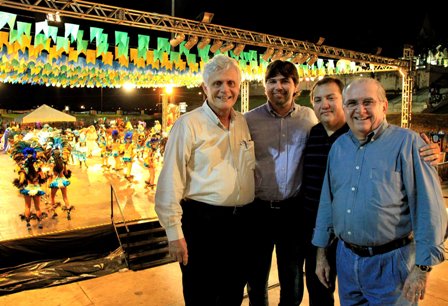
(44, 156)
(338, 191)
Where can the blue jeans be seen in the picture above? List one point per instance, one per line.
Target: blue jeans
(376, 280)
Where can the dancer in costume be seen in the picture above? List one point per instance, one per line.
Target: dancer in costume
(116, 150)
(150, 161)
(61, 174)
(128, 154)
(141, 137)
(30, 178)
(81, 151)
(104, 142)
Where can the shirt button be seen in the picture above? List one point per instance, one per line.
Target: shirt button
(353, 188)
(361, 147)
(357, 167)
(349, 211)
(349, 233)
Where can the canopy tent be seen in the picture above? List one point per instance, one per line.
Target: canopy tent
(44, 114)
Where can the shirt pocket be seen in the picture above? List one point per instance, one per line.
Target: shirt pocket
(387, 187)
(247, 155)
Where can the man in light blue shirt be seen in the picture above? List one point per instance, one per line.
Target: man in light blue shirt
(280, 129)
(383, 202)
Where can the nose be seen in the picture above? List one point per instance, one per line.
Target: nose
(325, 103)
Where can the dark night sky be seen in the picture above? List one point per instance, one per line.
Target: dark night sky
(348, 25)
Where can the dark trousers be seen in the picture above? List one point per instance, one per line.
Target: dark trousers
(277, 227)
(319, 295)
(217, 254)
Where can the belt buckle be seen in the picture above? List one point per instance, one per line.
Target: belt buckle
(272, 204)
(370, 249)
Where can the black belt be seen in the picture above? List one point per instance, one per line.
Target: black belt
(380, 249)
(215, 209)
(278, 204)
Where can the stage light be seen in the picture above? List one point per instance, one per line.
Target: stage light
(216, 45)
(174, 42)
(192, 41)
(287, 55)
(320, 41)
(204, 42)
(312, 60)
(205, 17)
(227, 47)
(277, 55)
(238, 49)
(299, 58)
(54, 17)
(267, 54)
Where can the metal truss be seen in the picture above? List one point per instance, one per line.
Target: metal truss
(86, 10)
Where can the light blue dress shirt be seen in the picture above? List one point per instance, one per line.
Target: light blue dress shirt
(279, 145)
(381, 190)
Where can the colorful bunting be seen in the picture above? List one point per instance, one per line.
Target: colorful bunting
(65, 60)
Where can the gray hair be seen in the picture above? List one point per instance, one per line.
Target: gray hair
(218, 63)
(381, 92)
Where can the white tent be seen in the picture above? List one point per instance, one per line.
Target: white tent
(44, 114)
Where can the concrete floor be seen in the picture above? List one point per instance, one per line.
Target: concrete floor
(157, 286)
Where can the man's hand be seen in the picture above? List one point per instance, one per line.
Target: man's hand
(430, 152)
(415, 285)
(323, 268)
(178, 250)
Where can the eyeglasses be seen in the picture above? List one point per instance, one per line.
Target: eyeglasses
(367, 104)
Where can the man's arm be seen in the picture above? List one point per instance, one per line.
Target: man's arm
(323, 268)
(431, 152)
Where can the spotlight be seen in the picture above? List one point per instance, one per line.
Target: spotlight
(287, 55)
(216, 45)
(54, 17)
(299, 58)
(174, 42)
(267, 54)
(277, 55)
(205, 17)
(204, 42)
(320, 41)
(312, 60)
(227, 47)
(192, 41)
(238, 49)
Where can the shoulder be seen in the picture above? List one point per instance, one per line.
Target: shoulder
(255, 112)
(403, 133)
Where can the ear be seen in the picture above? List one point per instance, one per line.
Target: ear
(204, 87)
(385, 106)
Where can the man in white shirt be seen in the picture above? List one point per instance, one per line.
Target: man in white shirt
(204, 188)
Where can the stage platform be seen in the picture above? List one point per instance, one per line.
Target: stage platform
(89, 229)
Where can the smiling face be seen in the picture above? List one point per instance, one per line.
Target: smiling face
(280, 91)
(365, 106)
(327, 104)
(222, 90)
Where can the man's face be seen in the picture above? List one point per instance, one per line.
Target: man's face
(363, 110)
(222, 90)
(280, 91)
(328, 105)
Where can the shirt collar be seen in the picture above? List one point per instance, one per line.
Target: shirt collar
(374, 135)
(275, 114)
(211, 114)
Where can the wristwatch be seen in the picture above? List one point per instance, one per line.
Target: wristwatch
(424, 268)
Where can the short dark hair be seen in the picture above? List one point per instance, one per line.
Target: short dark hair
(284, 68)
(326, 80)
